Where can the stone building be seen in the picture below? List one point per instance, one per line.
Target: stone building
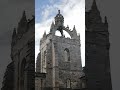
(23, 54)
(8, 79)
(60, 58)
(97, 62)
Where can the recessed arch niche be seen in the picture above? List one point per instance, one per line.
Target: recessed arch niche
(66, 55)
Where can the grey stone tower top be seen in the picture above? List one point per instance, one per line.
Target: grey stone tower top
(59, 19)
(58, 25)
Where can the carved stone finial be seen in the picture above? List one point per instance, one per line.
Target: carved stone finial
(106, 20)
(59, 19)
(74, 28)
(94, 5)
(14, 33)
(52, 26)
(67, 26)
(58, 11)
(23, 20)
(44, 33)
(24, 15)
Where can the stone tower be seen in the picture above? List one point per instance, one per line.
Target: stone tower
(60, 57)
(97, 62)
(22, 54)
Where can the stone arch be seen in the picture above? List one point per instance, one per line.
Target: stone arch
(67, 35)
(66, 55)
(72, 33)
(68, 31)
(22, 74)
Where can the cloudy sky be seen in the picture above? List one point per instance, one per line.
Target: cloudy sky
(73, 12)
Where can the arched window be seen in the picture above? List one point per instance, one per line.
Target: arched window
(66, 55)
(68, 83)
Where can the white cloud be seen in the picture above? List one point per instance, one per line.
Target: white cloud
(74, 14)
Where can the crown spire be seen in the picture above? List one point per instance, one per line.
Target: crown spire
(59, 19)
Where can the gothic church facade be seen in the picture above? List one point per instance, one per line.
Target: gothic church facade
(60, 58)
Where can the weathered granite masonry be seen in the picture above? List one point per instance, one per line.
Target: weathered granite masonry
(60, 58)
(8, 79)
(23, 54)
(97, 61)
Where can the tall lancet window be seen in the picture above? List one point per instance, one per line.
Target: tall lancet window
(44, 62)
(66, 55)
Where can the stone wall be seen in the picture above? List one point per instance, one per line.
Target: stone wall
(23, 55)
